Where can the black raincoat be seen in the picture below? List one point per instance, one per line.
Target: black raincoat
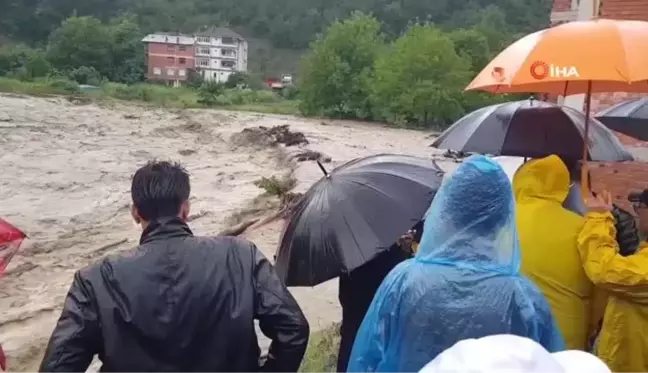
(178, 303)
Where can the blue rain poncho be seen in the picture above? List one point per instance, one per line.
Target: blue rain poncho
(464, 281)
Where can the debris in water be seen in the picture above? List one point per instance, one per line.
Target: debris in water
(270, 136)
(186, 152)
(312, 155)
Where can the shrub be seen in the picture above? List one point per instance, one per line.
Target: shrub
(274, 186)
(63, 86)
(85, 75)
(124, 92)
(23, 63)
(322, 351)
(248, 96)
(208, 93)
(237, 80)
(160, 94)
(290, 93)
(194, 79)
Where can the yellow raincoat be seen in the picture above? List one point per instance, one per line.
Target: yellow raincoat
(550, 257)
(623, 342)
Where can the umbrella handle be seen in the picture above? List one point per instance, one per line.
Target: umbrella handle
(585, 181)
(321, 166)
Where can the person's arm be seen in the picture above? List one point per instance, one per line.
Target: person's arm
(280, 319)
(598, 249)
(77, 335)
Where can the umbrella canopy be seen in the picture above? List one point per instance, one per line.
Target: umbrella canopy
(601, 55)
(531, 128)
(10, 240)
(629, 117)
(354, 213)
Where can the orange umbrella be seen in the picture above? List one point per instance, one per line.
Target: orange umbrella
(601, 55)
(578, 57)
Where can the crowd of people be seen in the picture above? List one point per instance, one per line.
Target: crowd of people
(492, 261)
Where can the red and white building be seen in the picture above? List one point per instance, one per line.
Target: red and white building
(169, 57)
(216, 53)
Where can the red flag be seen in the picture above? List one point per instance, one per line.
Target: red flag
(10, 240)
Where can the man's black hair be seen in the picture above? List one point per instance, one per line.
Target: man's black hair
(159, 188)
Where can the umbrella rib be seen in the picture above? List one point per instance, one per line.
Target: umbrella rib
(398, 175)
(377, 190)
(355, 240)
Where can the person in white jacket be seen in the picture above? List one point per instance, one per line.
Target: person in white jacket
(505, 353)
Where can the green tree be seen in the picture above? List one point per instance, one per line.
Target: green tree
(127, 63)
(337, 73)
(85, 75)
(472, 46)
(420, 79)
(113, 49)
(23, 62)
(81, 41)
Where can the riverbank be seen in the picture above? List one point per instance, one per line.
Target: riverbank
(159, 95)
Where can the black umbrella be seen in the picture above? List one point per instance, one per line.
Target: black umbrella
(354, 213)
(629, 117)
(531, 128)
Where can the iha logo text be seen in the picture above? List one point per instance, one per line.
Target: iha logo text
(541, 70)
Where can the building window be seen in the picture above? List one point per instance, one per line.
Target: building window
(170, 72)
(229, 64)
(157, 71)
(170, 48)
(204, 39)
(228, 52)
(182, 72)
(203, 63)
(171, 60)
(203, 51)
(227, 40)
(182, 48)
(182, 61)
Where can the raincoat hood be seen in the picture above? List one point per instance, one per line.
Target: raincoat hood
(471, 221)
(546, 178)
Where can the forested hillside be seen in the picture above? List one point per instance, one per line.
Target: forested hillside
(285, 23)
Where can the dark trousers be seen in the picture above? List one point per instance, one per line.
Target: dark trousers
(356, 293)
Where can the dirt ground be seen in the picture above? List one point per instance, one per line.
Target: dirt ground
(65, 181)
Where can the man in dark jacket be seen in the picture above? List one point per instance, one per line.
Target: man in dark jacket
(177, 302)
(358, 288)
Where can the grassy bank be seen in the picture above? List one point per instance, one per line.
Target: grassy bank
(321, 355)
(183, 97)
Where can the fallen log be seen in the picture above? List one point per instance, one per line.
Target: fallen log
(238, 229)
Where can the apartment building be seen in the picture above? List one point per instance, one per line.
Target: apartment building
(216, 53)
(219, 53)
(169, 57)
